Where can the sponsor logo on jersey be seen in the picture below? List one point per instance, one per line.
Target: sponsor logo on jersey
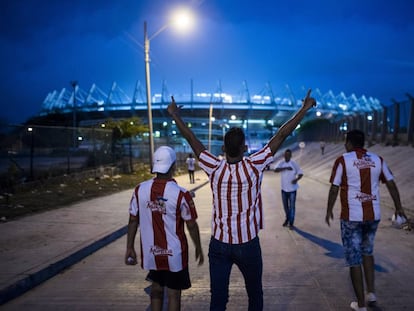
(158, 251)
(365, 162)
(158, 205)
(365, 197)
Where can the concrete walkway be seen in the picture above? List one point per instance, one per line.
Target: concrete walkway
(76, 253)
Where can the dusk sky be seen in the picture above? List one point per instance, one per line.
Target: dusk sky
(365, 47)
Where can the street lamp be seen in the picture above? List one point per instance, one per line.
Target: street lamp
(181, 19)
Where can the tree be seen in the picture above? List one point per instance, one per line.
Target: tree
(126, 129)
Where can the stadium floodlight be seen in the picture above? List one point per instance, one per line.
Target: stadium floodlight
(180, 19)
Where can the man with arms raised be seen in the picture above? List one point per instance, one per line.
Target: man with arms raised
(237, 205)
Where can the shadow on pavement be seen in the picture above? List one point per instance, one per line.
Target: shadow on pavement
(334, 249)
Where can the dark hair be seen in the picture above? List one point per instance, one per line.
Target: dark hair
(234, 141)
(356, 138)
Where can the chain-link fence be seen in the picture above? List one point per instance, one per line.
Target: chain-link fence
(39, 152)
(29, 153)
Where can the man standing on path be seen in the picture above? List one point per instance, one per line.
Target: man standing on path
(322, 145)
(191, 167)
(237, 205)
(357, 174)
(290, 173)
(160, 208)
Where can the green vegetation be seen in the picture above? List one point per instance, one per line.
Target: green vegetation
(51, 189)
(58, 192)
(126, 129)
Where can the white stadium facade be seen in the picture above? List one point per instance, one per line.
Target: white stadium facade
(210, 114)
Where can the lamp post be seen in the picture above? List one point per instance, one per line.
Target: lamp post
(181, 19)
(30, 130)
(148, 87)
(210, 125)
(74, 84)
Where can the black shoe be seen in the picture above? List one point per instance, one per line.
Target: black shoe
(285, 223)
(291, 227)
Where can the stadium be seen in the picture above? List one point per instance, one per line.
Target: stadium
(209, 114)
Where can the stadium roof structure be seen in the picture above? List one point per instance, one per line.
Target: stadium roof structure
(266, 105)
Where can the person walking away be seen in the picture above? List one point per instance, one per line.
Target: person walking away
(290, 173)
(322, 145)
(159, 207)
(237, 216)
(356, 175)
(191, 167)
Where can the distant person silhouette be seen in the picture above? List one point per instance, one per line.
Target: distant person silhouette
(191, 167)
(290, 174)
(322, 145)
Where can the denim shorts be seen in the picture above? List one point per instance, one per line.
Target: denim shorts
(358, 240)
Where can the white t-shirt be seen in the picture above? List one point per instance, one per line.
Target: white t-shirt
(286, 176)
(191, 164)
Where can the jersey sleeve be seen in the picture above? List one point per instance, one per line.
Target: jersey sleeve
(262, 158)
(208, 162)
(187, 206)
(297, 168)
(133, 205)
(386, 174)
(337, 171)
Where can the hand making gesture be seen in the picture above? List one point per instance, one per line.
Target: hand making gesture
(309, 102)
(173, 108)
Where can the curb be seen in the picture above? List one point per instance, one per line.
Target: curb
(32, 280)
(27, 283)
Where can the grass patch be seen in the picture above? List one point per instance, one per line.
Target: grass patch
(51, 194)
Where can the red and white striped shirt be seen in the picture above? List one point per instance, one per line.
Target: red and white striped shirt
(237, 201)
(358, 174)
(163, 208)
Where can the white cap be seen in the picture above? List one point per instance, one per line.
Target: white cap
(164, 158)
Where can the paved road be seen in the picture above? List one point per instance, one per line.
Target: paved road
(303, 268)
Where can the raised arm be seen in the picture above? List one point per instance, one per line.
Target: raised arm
(287, 128)
(187, 133)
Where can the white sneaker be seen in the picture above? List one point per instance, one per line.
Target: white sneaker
(371, 299)
(354, 306)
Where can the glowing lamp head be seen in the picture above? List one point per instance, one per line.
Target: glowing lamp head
(182, 19)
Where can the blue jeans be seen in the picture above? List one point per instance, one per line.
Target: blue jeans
(289, 201)
(248, 258)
